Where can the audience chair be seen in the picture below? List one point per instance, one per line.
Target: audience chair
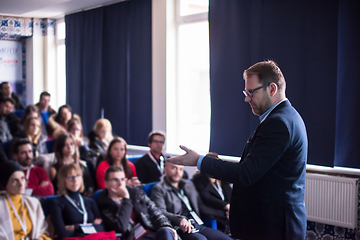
(19, 112)
(96, 194)
(45, 203)
(5, 146)
(50, 145)
(133, 158)
(211, 223)
(148, 187)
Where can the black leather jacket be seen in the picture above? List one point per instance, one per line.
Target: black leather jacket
(118, 218)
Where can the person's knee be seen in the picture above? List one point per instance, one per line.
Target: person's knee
(165, 233)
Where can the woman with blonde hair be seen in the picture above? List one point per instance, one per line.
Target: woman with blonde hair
(66, 153)
(32, 130)
(71, 210)
(21, 216)
(101, 135)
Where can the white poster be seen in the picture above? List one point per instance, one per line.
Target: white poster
(10, 62)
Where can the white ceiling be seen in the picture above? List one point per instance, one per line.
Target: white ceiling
(48, 8)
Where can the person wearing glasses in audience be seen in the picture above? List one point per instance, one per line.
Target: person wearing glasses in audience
(127, 210)
(71, 213)
(150, 167)
(21, 216)
(269, 182)
(116, 156)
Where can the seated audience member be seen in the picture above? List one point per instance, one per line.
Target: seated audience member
(37, 181)
(181, 204)
(30, 111)
(215, 194)
(75, 129)
(66, 153)
(101, 136)
(45, 110)
(6, 92)
(126, 208)
(10, 123)
(33, 111)
(58, 122)
(17, 209)
(150, 167)
(116, 156)
(71, 209)
(32, 130)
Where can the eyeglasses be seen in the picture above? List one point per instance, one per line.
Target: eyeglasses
(72, 178)
(156, 141)
(249, 93)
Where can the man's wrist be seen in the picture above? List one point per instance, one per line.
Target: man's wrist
(199, 161)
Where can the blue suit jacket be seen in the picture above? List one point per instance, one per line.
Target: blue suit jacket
(269, 181)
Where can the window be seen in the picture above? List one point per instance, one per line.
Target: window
(60, 62)
(188, 123)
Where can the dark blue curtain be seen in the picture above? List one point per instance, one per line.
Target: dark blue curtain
(315, 44)
(347, 150)
(108, 66)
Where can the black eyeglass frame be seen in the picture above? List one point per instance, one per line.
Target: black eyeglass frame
(249, 93)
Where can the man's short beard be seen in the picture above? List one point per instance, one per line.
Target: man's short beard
(171, 180)
(25, 163)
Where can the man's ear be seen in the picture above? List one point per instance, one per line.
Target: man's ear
(273, 89)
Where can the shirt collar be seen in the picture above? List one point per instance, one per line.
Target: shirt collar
(264, 115)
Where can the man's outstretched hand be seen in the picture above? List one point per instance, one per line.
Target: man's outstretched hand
(190, 158)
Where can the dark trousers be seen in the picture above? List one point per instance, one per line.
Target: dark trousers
(204, 233)
(163, 233)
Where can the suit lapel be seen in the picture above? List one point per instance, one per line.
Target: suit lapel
(250, 139)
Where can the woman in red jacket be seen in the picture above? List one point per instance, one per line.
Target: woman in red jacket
(116, 156)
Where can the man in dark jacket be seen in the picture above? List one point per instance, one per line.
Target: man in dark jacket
(269, 181)
(6, 92)
(129, 211)
(150, 167)
(180, 202)
(10, 123)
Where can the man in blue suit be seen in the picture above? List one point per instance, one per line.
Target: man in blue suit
(269, 181)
